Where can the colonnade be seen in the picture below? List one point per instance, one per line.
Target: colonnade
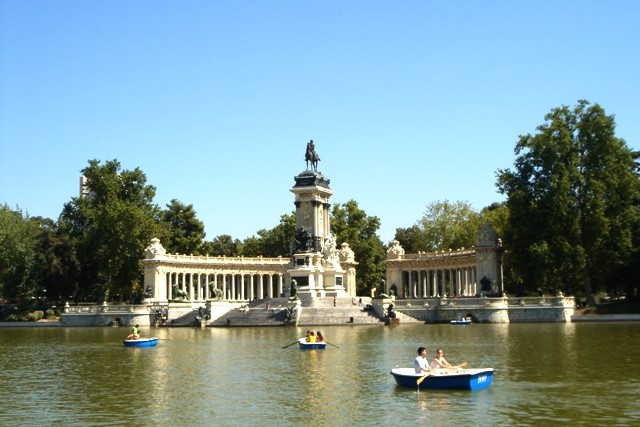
(199, 287)
(434, 282)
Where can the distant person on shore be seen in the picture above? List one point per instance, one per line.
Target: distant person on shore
(439, 362)
(421, 364)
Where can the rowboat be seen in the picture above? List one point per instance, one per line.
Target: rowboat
(461, 321)
(141, 342)
(464, 379)
(304, 345)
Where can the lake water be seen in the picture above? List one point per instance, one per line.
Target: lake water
(579, 374)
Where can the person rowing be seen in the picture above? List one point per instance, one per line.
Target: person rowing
(134, 335)
(439, 362)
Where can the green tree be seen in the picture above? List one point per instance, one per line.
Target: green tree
(18, 248)
(412, 239)
(110, 229)
(350, 224)
(496, 214)
(572, 201)
(223, 245)
(272, 243)
(445, 225)
(56, 266)
(185, 232)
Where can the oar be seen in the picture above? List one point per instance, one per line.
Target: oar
(289, 345)
(332, 344)
(462, 365)
(422, 378)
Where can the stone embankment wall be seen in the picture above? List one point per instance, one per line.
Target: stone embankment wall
(432, 310)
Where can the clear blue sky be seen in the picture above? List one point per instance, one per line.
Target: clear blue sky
(408, 102)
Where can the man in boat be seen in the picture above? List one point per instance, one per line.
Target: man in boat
(421, 364)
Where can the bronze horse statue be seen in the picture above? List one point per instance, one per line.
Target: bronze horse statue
(311, 156)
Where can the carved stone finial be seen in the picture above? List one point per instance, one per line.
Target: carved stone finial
(396, 251)
(155, 249)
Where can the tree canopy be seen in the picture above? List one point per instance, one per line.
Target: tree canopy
(572, 201)
(185, 232)
(445, 225)
(350, 224)
(110, 228)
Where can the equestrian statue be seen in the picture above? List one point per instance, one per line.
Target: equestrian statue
(312, 156)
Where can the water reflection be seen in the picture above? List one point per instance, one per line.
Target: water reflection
(545, 374)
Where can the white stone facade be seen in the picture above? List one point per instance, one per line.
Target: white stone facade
(452, 273)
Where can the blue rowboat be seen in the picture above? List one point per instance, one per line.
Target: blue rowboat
(304, 345)
(464, 379)
(141, 342)
(461, 321)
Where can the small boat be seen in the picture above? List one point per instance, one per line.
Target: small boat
(464, 379)
(305, 345)
(461, 321)
(141, 342)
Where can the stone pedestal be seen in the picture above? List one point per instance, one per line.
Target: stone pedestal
(308, 273)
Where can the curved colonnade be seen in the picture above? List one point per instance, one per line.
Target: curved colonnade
(428, 275)
(200, 278)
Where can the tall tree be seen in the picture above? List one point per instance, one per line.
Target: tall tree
(412, 239)
(18, 243)
(223, 245)
(572, 200)
(445, 225)
(185, 230)
(352, 225)
(272, 243)
(110, 229)
(56, 267)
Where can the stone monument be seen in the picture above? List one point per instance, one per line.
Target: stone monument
(315, 260)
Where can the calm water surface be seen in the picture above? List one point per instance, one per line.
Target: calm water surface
(546, 374)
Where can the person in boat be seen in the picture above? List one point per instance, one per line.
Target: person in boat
(134, 335)
(439, 362)
(319, 337)
(312, 337)
(421, 364)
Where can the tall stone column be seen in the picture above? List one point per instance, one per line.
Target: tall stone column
(315, 263)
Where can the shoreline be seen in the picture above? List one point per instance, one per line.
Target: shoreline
(579, 318)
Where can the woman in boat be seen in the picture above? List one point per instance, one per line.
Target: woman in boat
(319, 337)
(134, 335)
(312, 337)
(439, 362)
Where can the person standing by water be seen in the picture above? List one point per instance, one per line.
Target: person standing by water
(421, 364)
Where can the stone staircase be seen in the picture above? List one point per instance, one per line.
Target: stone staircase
(317, 312)
(321, 312)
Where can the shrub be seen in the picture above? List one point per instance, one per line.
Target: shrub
(31, 317)
(50, 314)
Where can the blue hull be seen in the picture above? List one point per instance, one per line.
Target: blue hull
(304, 345)
(142, 342)
(466, 379)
